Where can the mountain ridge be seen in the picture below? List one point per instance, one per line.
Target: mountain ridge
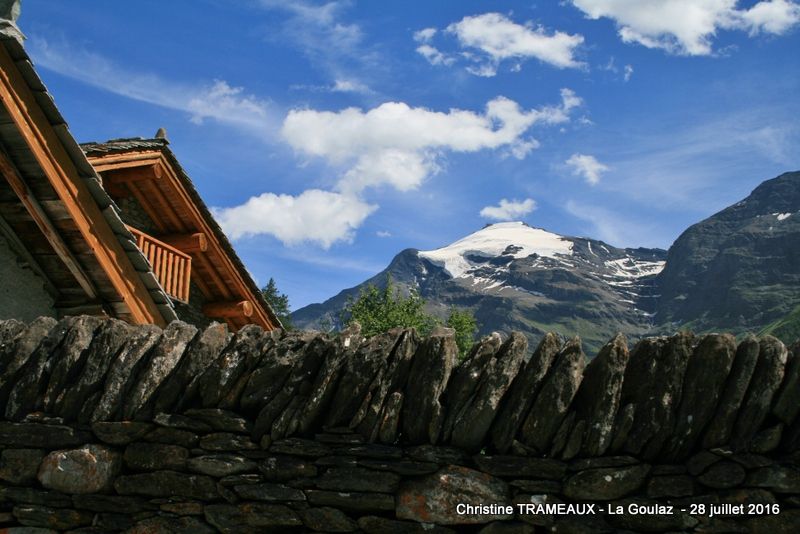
(516, 277)
(738, 269)
(735, 270)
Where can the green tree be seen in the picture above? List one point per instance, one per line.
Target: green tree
(279, 302)
(379, 309)
(465, 325)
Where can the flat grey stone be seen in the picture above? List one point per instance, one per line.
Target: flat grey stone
(155, 457)
(434, 498)
(89, 469)
(221, 465)
(555, 397)
(427, 380)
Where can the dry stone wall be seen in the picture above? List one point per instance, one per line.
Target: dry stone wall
(107, 427)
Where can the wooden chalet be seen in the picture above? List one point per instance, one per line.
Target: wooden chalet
(129, 239)
(191, 256)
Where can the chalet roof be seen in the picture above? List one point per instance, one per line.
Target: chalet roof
(11, 40)
(136, 144)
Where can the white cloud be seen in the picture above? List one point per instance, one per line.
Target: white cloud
(338, 86)
(215, 100)
(402, 169)
(318, 28)
(501, 38)
(321, 217)
(489, 39)
(628, 72)
(689, 26)
(775, 16)
(434, 55)
(424, 35)
(523, 147)
(569, 99)
(398, 145)
(611, 66)
(222, 102)
(509, 210)
(393, 144)
(383, 233)
(586, 166)
(321, 33)
(350, 86)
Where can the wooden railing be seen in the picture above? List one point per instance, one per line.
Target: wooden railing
(172, 267)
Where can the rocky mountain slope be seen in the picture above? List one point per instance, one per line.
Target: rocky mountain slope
(787, 329)
(738, 270)
(515, 277)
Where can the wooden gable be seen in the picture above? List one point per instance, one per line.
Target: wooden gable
(147, 171)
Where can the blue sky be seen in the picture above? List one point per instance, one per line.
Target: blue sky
(328, 136)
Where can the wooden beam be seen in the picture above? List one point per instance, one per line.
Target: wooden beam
(57, 165)
(151, 212)
(165, 210)
(188, 243)
(242, 308)
(41, 219)
(111, 162)
(208, 267)
(134, 174)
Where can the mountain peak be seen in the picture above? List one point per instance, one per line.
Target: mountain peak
(515, 239)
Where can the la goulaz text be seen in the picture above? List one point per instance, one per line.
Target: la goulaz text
(711, 510)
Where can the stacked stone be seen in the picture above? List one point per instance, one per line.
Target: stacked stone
(109, 427)
(201, 472)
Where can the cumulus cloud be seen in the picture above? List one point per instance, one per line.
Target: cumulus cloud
(689, 26)
(774, 16)
(489, 39)
(501, 38)
(393, 145)
(586, 166)
(321, 217)
(399, 145)
(509, 210)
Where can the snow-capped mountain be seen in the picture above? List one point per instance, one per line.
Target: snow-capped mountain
(516, 277)
(513, 240)
(495, 257)
(736, 271)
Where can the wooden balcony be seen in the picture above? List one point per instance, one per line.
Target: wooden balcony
(172, 267)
